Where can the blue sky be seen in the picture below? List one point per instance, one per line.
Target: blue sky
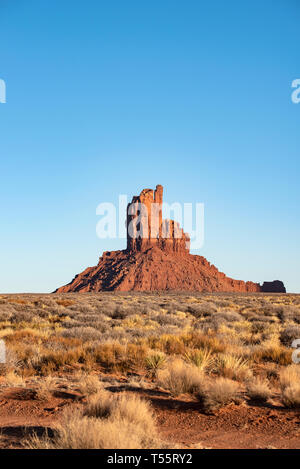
(106, 98)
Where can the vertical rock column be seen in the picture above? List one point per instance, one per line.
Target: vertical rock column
(146, 227)
(158, 199)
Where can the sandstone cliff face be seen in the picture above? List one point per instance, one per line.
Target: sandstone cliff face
(157, 258)
(146, 227)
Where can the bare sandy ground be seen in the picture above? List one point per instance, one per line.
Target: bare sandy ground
(180, 421)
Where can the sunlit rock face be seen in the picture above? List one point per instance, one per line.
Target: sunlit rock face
(157, 258)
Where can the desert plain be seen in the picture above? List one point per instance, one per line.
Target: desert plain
(149, 370)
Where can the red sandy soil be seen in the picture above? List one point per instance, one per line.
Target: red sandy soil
(181, 421)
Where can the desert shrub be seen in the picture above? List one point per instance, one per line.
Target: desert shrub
(179, 378)
(223, 303)
(45, 388)
(84, 333)
(89, 384)
(175, 306)
(44, 302)
(82, 432)
(81, 308)
(167, 343)
(209, 325)
(291, 396)
(167, 330)
(65, 302)
(115, 335)
(259, 390)
(133, 409)
(12, 362)
(227, 316)
(168, 319)
(154, 362)
(271, 371)
(14, 380)
(107, 308)
(288, 334)
(201, 358)
(289, 376)
(100, 405)
(273, 353)
(274, 310)
(121, 312)
(53, 360)
(288, 313)
(6, 312)
(70, 324)
(22, 316)
(219, 393)
(115, 356)
(17, 301)
(296, 315)
(250, 339)
(205, 341)
(202, 309)
(230, 366)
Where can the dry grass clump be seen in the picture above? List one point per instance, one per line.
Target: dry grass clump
(65, 302)
(121, 407)
(79, 432)
(290, 386)
(273, 353)
(100, 405)
(180, 378)
(219, 393)
(290, 333)
(12, 362)
(259, 390)
(135, 410)
(291, 396)
(289, 376)
(199, 310)
(201, 358)
(12, 379)
(88, 384)
(232, 367)
(127, 424)
(45, 388)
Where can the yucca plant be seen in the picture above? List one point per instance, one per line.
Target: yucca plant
(232, 367)
(201, 358)
(155, 362)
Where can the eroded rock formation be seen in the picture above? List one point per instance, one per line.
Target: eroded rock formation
(273, 287)
(157, 258)
(146, 227)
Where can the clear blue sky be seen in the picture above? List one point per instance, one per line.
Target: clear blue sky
(108, 97)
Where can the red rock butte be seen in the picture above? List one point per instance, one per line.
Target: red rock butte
(157, 258)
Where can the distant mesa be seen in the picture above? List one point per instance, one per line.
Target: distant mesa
(158, 258)
(277, 286)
